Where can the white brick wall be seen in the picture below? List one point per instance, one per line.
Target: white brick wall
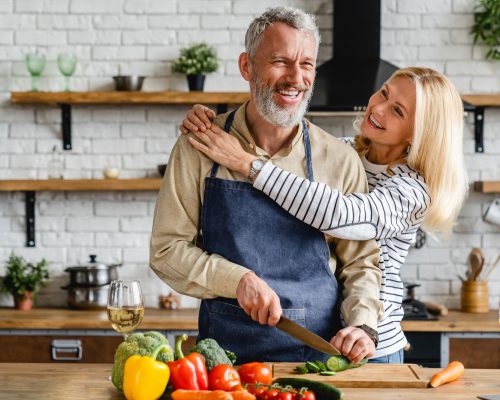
(144, 37)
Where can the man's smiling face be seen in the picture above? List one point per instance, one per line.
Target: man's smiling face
(282, 74)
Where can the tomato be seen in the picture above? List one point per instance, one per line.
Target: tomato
(306, 395)
(223, 377)
(255, 372)
(256, 389)
(270, 394)
(286, 396)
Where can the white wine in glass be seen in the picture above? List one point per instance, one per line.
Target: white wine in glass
(125, 306)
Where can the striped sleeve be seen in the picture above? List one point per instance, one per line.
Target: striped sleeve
(398, 206)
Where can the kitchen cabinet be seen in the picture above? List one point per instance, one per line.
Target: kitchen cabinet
(473, 339)
(28, 336)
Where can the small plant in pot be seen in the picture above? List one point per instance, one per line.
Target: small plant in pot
(196, 61)
(22, 278)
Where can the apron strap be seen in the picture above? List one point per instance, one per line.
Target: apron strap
(307, 144)
(227, 128)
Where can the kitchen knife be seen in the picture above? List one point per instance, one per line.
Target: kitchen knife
(306, 336)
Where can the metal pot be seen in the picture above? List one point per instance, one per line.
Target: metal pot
(92, 274)
(88, 298)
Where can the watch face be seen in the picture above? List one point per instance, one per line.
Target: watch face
(258, 164)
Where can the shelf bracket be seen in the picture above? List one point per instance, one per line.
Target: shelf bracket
(478, 129)
(30, 218)
(66, 125)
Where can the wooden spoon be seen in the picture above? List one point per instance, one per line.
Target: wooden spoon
(476, 262)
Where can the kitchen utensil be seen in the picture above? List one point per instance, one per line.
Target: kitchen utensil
(491, 268)
(474, 297)
(93, 274)
(367, 376)
(306, 336)
(436, 309)
(476, 262)
(128, 83)
(111, 173)
(35, 63)
(87, 298)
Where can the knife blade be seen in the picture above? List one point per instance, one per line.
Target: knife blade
(306, 336)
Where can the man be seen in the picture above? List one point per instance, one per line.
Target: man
(216, 238)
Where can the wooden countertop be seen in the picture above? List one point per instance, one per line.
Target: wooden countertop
(187, 319)
(457, 321)
(90, 381)
(58, 318)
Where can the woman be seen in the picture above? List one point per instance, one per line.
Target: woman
(410, 143)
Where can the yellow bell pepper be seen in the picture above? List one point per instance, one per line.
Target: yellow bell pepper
(144, 378)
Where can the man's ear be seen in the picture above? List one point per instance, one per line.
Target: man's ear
(246, 66)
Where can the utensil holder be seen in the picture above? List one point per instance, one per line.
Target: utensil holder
(474, 297)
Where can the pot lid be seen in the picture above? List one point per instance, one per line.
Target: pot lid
(92, 264)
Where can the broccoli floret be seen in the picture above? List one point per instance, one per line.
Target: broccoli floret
(141, 344)
(213, 353)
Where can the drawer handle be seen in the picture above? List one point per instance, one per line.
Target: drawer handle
(66, 350)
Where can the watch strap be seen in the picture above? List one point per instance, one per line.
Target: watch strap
(372, 333)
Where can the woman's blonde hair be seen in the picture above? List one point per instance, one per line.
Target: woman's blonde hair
(436, 151)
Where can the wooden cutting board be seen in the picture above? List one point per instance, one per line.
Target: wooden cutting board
(367, 376)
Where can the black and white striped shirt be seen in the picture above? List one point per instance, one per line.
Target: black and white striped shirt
(391, 213)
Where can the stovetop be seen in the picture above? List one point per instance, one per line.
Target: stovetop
(415, 310)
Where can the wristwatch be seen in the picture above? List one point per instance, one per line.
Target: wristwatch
(372, 333)
(255, 168)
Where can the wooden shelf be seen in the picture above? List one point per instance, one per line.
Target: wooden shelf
(69, 185)
(482, 100)
(487, 186)
(31, 186)
(67, 99)
(90, 98)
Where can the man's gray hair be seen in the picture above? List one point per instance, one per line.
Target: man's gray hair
(293, 17)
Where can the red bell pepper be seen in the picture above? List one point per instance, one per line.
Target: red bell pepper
(190, 372)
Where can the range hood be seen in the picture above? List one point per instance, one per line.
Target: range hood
(346, 82)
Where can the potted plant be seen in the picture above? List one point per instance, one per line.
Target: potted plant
(195, 61)
(487, 26)
(22, 278)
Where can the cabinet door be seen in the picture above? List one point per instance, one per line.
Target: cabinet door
(476, 352)
(25, 348)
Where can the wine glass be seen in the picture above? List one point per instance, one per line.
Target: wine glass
(125, 306)
(67, 65)
(35, 63)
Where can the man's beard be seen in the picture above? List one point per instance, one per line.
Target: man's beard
(272, 112)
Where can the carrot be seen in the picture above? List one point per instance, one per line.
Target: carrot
(181, 394)
(451, 373)
(242, 395)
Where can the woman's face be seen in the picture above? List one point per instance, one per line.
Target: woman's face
(389, 117)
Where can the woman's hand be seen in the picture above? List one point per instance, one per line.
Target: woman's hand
(223, 148)
(197, 119)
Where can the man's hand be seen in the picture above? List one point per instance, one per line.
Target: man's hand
(354, 344)
(258, 300)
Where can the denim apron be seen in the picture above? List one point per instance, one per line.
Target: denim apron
(244, 226)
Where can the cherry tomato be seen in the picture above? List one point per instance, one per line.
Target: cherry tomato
(306, 395)
(270, 394)
(223, 377)
(286, 396)
(255, 372)
(256, 389)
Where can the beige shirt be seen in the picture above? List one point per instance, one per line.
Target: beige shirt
(190, 270)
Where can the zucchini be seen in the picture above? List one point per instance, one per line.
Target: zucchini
(322, 390)
(341, 363)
